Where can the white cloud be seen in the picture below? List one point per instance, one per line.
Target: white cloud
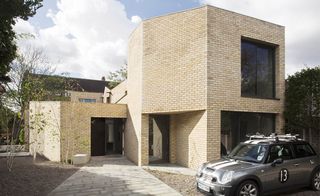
(136, 19)
(301, 19)
(88, 38)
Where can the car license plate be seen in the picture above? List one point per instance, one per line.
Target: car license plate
(204, 187)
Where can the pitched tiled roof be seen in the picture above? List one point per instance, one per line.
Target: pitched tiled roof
(90, 85)
(80, 84)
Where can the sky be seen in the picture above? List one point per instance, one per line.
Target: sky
(88, 39)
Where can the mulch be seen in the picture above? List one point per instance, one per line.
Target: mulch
(32, 178)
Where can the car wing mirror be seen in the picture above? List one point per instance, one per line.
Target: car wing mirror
(277, 161)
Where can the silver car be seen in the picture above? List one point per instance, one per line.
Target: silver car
(262, 165)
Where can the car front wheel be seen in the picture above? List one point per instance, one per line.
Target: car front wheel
(315, 183)
(248, 188)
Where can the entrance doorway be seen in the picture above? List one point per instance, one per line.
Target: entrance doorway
(106, 136)
(159, 126)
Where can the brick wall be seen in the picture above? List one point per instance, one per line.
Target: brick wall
(76, 124)
(187, 140)
(76, 95)
(174, 62)
(191, 61)
(225, 30)
(134, 98)
(119, 93)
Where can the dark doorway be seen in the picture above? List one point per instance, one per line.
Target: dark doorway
(159, 126)
(106, 136)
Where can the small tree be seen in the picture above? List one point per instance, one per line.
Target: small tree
(118, 76)
(302, 101)
(31, 80)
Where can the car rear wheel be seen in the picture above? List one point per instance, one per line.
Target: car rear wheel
(248, 188)
(315, 183)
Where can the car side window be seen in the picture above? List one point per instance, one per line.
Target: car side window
(279, 151)
(303, 150)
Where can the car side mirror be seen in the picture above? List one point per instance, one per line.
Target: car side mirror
(277, 161)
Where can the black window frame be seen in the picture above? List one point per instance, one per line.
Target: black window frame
(270, 47)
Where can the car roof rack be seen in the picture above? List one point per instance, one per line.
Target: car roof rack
(275, 136)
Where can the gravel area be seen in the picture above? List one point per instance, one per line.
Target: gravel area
(32, 178)
(186, 184)
(181, 183)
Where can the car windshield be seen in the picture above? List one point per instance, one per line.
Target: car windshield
(249, 152)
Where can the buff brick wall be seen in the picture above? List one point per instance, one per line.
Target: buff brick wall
(191, 61)
(174, 62)
(76, 95)
(225, 31)
(134, 98)
(118, 93)
(173, 77)
(76, 124)
(187, 139)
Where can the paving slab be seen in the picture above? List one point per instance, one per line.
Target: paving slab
(112, 176)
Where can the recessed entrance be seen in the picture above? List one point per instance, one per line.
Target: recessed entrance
(159, 138)
(106, 136)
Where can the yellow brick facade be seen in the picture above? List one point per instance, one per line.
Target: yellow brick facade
(64, 128)
(225, 31)
(189, 66)
(76, 124)
(77, 95)
(134, 124)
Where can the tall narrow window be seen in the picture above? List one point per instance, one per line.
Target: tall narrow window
(257, 70)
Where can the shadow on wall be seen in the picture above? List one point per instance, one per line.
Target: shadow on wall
(187, 131)
(131, 141)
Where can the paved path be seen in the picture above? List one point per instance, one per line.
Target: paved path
(112, 176)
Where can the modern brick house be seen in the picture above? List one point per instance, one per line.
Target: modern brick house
(196, 79)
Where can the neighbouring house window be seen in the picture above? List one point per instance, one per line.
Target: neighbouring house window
(87, 100)
(236, 126)
(257, 70)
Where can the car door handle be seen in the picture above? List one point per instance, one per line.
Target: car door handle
(296, 164)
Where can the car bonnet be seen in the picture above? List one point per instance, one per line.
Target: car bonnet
(230, 165)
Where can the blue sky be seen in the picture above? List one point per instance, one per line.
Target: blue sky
(89, 38)
(150, 8)
(143, 8)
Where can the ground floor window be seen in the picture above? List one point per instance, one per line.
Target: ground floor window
(235, 126)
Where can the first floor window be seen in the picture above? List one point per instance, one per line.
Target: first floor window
(257, 70)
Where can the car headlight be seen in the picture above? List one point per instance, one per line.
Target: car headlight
(227, 177)
(200, 169)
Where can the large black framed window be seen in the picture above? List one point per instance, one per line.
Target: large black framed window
(235, 126)
(257, 70)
